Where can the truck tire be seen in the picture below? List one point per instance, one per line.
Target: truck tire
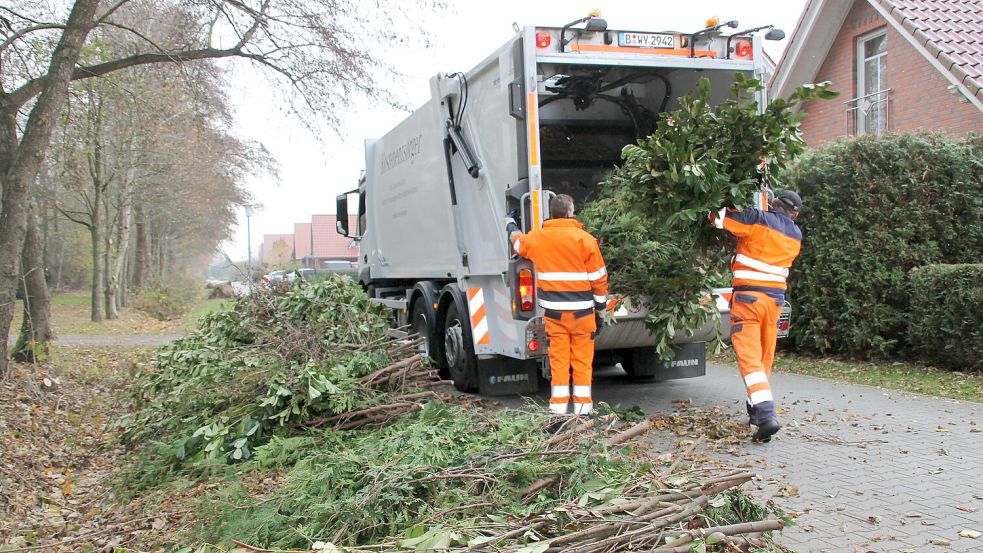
(462, 365)
(423, 321)
(640, 364)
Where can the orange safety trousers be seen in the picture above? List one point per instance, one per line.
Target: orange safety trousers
(571, 344)
(754, 334)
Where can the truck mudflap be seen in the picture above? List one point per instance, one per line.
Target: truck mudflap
(690, 361)
(502, 376)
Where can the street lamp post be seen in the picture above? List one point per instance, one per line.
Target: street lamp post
(249, 249)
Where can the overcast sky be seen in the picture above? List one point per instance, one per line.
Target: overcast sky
(313, 170)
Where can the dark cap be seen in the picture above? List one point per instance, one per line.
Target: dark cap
(791, 199)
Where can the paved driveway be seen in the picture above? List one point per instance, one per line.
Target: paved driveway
(865, 469)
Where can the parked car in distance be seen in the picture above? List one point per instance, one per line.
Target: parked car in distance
(273, 276)
(338, 264)
(304, 274)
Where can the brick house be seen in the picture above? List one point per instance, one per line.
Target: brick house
(327, 244)
(900, 66)
(302, 241)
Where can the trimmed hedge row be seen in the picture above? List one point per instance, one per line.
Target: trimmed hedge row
(874, 209)
(946, 320)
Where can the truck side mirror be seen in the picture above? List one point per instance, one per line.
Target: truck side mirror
(775, 34)
(341, 211)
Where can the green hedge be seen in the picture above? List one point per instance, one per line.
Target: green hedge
(946, 323)
(875, 208)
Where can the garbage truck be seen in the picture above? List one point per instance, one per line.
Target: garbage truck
(547, 113)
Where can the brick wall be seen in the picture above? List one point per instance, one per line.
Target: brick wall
(920, 97)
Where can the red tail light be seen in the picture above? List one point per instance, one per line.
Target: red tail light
(743, 49)
(527, 291)
(543, 39)
(533, 345)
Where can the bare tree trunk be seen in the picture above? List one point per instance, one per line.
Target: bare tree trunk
(60, 256)
(21, 161)
(95, 232)
(34, 342)
(124, 282)
(142, 267)
(108, 266)
(115, 272)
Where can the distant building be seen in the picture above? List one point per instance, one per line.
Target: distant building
(900, 66)
(302, 241)
(278, 249)
(327, 244)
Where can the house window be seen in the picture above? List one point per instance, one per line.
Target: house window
(872, 91)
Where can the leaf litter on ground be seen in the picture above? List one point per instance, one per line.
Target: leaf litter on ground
(298, 419)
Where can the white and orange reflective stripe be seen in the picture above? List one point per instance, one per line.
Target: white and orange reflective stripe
(755, 275)
(479, 316)
(573, 277)
(760, 396)
(760, 265)
(597, 274)
(559, 399)
(566, 305)
(757, 377)
(718, 221)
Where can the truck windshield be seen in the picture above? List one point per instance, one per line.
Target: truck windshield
(588, 114)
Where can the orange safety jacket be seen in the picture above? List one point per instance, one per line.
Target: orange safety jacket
(570, 272)
(767, 244)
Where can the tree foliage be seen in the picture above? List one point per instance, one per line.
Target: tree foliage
(651, 221)
(875, 208)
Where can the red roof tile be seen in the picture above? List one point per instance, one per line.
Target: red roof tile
(327, 243)
(950, 30)
(302, 240)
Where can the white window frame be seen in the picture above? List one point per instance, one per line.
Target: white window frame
(862, 40)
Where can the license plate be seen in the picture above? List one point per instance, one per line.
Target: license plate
(785, 320)
(647, 40)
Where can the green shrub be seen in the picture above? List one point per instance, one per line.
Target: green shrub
(875, 208)
(946, 322)
(166, 300)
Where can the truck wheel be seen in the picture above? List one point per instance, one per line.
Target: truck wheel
(459, 351)
(639, 363)
(422, 323)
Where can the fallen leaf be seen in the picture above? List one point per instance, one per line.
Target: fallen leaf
(940, 541)
(966, 509)
(970, 533)
(913, 514)
(940, 429)
(789, 491)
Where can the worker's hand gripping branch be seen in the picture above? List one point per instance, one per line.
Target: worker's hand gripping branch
(511, 228)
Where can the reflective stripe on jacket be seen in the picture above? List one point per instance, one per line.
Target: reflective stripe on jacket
(570, 272)
(767, 244)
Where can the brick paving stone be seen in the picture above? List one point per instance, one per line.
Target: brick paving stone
(877, 452)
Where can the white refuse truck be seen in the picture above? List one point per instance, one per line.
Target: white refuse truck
(547, 113)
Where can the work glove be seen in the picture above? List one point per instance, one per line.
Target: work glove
(598, 322)
(511, 227)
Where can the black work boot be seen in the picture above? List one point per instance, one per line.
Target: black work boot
(766, 430)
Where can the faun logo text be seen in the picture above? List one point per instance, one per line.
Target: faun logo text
(522, 377)
(406, 152)
(684, 363)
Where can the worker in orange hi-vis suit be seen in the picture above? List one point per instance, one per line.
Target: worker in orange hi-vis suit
(572, 288)
(767, 244)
